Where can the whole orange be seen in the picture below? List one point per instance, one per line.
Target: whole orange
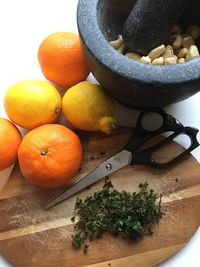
(62, 59)
(10, 139)
(50, 155)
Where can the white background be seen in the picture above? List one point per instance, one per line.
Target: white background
(24, 24)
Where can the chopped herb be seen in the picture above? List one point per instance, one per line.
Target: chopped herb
(85, 248)
(78, 241)
(92, 157)
(132, 215)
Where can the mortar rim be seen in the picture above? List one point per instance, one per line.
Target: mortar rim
(99, 47)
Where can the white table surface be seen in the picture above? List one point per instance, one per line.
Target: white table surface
(24, 24)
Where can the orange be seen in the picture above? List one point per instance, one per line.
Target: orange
(50, 155)
(62, 59)
(10, 139)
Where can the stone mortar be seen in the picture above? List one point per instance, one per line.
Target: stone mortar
(130, 82)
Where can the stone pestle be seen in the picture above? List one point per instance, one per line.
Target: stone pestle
(149, 24)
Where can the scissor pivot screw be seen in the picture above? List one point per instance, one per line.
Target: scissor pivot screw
(109, 166)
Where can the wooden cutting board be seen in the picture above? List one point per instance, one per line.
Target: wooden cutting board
(32, 237)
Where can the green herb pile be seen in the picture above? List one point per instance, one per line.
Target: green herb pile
(130, 215)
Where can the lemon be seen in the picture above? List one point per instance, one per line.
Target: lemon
(87, 107)
(32, 103)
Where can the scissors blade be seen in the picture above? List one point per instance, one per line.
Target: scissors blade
(109, 166)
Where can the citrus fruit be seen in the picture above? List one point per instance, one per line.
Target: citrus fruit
(62, 59)
(10, 139)
(87, 107)
(32, 103)
(50, 155)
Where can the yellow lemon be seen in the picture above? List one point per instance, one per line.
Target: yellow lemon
(87, 107)
(32, 103)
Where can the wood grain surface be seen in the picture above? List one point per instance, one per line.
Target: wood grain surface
(33, 237)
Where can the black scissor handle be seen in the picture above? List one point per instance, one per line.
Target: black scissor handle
(145, 156)
(141, 135)
(168, 121)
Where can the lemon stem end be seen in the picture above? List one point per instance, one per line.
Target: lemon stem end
(107, 124)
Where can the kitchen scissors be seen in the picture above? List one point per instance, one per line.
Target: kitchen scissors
(132, 152)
